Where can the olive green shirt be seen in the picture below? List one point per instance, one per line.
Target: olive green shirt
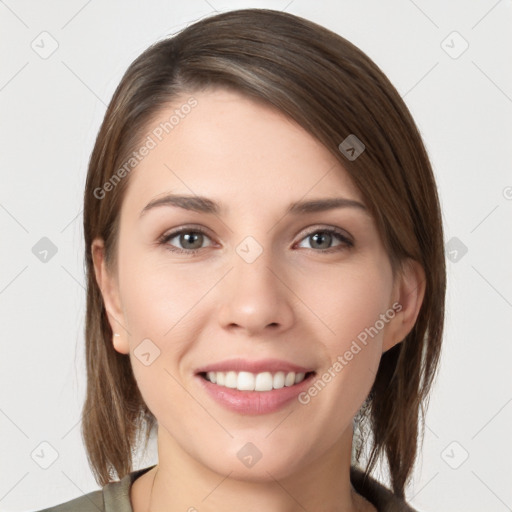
(115, 496)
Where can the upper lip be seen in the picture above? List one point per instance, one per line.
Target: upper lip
(262, 365)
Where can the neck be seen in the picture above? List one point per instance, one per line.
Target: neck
(182, 482)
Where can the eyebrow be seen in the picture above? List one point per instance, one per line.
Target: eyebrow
(206, 205)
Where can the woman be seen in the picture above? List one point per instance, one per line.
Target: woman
(265, 263)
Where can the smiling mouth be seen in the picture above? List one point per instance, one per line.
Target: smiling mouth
(259, 382)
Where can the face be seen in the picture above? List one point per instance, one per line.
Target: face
(250, 280)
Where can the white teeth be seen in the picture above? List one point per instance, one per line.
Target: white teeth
(278, 382)
(264, 382)
(299, 377)
(290, 379)
(230, 381)
(246, 381)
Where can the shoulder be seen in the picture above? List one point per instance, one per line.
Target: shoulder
(378, 495)
(91, 502)
(113, 497)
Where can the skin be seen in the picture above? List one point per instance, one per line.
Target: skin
(294, 302)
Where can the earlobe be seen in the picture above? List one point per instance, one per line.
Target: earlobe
(120, 344)
(409, 293)
(110, 293)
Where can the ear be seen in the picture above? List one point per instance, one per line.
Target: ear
(109, 287)
(408, 294)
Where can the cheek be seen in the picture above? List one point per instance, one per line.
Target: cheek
(158, 297)
(164, 303)
(348, 302)
(159, 310)
(351, 307)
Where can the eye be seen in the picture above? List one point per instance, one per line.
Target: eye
(322, 239)
(190, 239)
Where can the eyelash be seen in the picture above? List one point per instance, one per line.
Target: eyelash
(164, 239)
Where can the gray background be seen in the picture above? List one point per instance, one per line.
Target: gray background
(51, 108)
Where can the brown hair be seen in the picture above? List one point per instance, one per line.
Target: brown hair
(332, 89)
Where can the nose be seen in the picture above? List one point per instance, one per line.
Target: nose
(254, 297)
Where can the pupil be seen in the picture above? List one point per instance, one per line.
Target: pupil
(322, 237)
(189, 236)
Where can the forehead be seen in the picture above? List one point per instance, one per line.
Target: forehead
(234, 149)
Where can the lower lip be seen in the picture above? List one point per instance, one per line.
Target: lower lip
(254, 402)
